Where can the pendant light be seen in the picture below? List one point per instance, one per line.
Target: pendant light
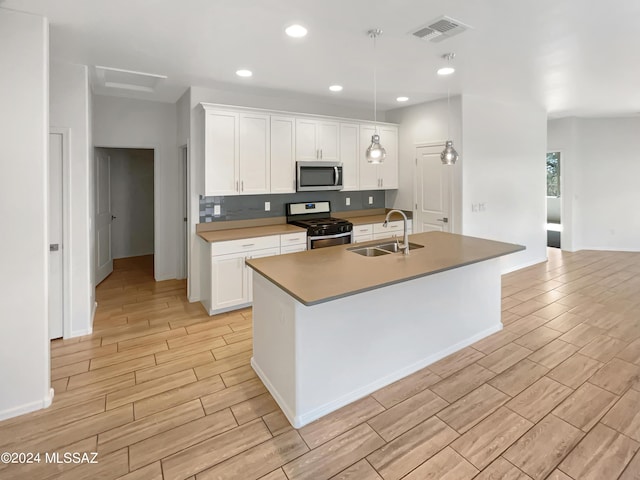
(375, 152)
(449, 156)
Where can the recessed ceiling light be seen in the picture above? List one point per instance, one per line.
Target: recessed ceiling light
(335, 88)
(402, 99)
(446, 70)
(244, 73)
(296, 31)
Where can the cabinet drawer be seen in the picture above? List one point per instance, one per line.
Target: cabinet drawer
(300, 247)
(362, 230)
(245, 245)
(396, 225)
(293, 238)
(391, 234)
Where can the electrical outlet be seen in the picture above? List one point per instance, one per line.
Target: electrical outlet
(216, 210)
(370, 200)
(347, 201)
(267, 206)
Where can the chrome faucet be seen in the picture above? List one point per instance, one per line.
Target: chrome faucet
(405, 246)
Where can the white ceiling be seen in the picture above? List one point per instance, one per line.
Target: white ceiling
(574, 57)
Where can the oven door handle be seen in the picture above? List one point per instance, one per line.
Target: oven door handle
(336, 176)
(337, 235)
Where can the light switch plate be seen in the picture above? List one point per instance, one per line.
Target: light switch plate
(347, 201)
(370, 200)
(216, 209)
(267, 206)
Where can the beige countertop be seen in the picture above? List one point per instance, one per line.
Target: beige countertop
(325, 274)
(250, 232)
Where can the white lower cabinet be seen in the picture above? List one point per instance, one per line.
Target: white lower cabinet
(227, 284)
(362, 233)
(228, 281)
(293, 242)
(249, 273)
(376, 231)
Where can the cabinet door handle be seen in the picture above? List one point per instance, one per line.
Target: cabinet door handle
(320, 154)
(242, 185)
(237, 189)
(382, 182)
(248, 245)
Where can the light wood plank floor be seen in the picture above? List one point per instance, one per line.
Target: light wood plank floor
(162, 391)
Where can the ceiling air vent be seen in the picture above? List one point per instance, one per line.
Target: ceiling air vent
(440, 29)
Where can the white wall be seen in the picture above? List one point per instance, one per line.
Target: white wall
(265, 99)
(422, 124)
(24, 123)
(127, 123)
(605, 153)
(131, 202)
(69, 108)
(503, 167)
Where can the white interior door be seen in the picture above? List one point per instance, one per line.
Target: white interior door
(56, 303)
(104, 257)
(185, 208)
(433, 191)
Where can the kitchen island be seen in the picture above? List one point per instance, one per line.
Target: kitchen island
(331, 326)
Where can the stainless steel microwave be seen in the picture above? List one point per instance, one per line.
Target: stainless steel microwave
(315, 176)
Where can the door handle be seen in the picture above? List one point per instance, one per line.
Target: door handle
(54, 247)
(113, 217)
(443, 220)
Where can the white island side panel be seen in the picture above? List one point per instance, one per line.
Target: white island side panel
(316, 359)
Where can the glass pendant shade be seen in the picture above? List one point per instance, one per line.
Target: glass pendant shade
(449, 156)
(376, 152)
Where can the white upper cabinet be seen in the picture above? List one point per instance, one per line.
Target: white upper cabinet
(283, 159)
(389, 168)
(349, 154)
(382, 176)
(255, 174)
(221, 152)
(316, 139)
(236, 150)
(242, 151)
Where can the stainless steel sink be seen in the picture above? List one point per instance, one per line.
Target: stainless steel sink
(381, 249)
(393, 247)
(369, 251)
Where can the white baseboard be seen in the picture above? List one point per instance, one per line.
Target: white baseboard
(286, 409)
(523, 265)
(308, 417)
(81, 333)
(609, 249)
(28, 407)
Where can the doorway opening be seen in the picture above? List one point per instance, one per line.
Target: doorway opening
(124, 207)
(554, 200)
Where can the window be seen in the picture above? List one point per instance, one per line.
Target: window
(553, 174)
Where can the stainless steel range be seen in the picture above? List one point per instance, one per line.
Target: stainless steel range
(322, 229)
